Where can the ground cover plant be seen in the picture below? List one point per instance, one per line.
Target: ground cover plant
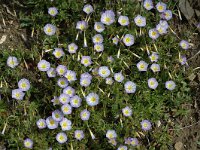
(104, 75)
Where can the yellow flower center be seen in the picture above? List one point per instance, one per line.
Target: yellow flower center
(12, 62)
(86, 61)
(98, 27)
(66, 109)
(69, 77)
(139, 21)
(103, 71)
(64, 124)
(28, 144)
(69, 92)
(154, 33)
(160, 8)
(43, 66)
(142, 66)
(23, 85)
(128, 40)
(49, 29)
(51, 122)
(57, 115)
(17, 95)
(58, 54)
(129, 87)
(123, 21)
(61, 138)
(151, 83)
(107, 19)
(93, 99)
(145, 125)
(52, 12)
(62, 82)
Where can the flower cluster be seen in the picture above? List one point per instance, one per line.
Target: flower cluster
(80, 89)
(23, 86)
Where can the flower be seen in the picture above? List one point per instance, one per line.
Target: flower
(82, 25)
(161, 30)
(123, 20)
(148, 4)
(122, 147)
(86, 61)
(115, 40)
(57, 115)
(127, 111)
(92, 99)
(128, 40)
(70, 75)
(79, 135)
(12, 61)
(128, 140)
(142, 66)
(18, 94)
(66, 124)
(88, 9)
(66, 109)
(164, 24)
(58, 52)
(49, 29)
(75, 101)
(170, 85)
(155, 67)
(140, 21)
(104, 71)
(72, 48)
(109, 81)
(85, 115)
(146, 125)
(154, 57)
(86, 75)
(64, 98)
(99, 47)
(41, 123)
(152, 83)
(97, 39)
(111, 134)
(69, 91)
(51, 73)
(53, 11)
(161, 7)
(118, 77)
(61, 137)
(51, 124)
(154, 34)
(28, 143)
(167, 14)
(85, 82)
(113, 141)
(62, 82)
(108, 17)
(110, 59)
(134, 142)
(184, 44)
(55, 101)
(43, 65)
(183, 60)
(99, 27)
(130, 87)
(24, 84)
(61, 69)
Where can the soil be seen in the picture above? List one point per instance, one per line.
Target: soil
(11, 35)
(188, 137)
